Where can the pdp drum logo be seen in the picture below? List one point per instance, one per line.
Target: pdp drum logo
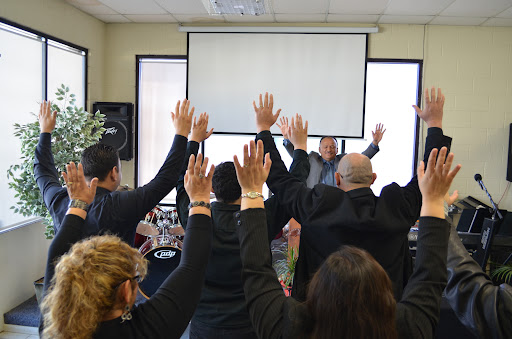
(165, 254)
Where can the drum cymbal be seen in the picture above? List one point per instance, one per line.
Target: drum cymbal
(146, 228)
(178, 230)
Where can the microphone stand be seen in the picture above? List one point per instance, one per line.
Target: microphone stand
(495, 208)
(487, 235)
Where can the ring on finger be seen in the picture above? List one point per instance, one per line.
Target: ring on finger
(201, 175)
(69, 183)
(246, 165)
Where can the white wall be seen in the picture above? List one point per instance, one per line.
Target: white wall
(23, 254)
(473, 65)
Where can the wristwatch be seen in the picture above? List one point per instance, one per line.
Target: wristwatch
(77, 203)
(252, 195)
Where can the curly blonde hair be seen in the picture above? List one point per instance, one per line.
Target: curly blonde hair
(83, 289)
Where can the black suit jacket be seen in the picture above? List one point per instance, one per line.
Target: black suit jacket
(331, 217)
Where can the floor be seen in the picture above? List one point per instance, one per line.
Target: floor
(19, 332)
(13, 332)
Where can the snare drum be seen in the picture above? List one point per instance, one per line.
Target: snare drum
(163, 255)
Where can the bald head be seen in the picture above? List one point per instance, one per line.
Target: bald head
(356, 169)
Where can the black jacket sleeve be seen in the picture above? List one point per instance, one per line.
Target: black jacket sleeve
(267, 305)
(482, 307)
(417, 313)
(182, 198)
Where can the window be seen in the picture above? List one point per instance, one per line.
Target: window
(392, 87)
(25, 73)
(161, 82)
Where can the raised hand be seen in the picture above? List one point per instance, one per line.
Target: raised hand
(197, 184)
(378, 134)
(435, 182)
(253, 174)
(283, 127)
(298, 133)
(77, 186)
(432, 113)
(182, 119)
(200, 129)
(265, 117)
(450, 199)
(47, 118)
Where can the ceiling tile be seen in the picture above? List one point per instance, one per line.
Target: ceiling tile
(365, 19)
(357, 6)
(92, 7)
(419, 8)
(134, 6)
(406, 19)
(320, 18)
(249, 18)
(112, 18)
(183, 7)
(190, 18)
(151, 18)
(505, 14)
(300, 6)
(498, 22)
(476, 8)
(457, 21)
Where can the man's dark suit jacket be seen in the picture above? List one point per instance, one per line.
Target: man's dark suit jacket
(331, 217)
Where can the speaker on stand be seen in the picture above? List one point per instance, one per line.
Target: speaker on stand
(118, 125)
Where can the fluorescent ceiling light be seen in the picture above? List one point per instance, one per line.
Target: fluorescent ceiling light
(237, 7)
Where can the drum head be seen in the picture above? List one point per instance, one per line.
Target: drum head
(162, 261)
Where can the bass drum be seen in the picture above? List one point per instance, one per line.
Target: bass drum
(164, 257)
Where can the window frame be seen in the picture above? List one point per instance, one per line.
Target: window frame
(45, 39)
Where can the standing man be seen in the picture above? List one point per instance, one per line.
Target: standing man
(349, 214)
(325, 163)
(118, 212)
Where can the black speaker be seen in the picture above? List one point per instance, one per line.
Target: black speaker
(509, 164)
(118, 125)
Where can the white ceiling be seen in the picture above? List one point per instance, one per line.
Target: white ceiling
(431, 12)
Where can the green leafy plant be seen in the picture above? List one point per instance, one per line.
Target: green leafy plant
(502, 273)
(285, 268)
(75, 130)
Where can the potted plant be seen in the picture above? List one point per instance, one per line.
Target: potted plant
(75, 130)
(502, 273)
(285, 268)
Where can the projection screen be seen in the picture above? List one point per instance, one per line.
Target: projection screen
(321, 76)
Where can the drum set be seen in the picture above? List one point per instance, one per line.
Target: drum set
(159, 238)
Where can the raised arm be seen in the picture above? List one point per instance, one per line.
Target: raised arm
(199, 134)
(292, 193)
(432, 115)
(179, 294)
(263, 293)
(45, 172)
(283, 126)
(81, 195)
(143, 199)
(377, 135)
(418, 311)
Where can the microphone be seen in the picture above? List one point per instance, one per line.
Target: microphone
(478, 179)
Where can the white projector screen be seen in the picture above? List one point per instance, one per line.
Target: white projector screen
(321, 76)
